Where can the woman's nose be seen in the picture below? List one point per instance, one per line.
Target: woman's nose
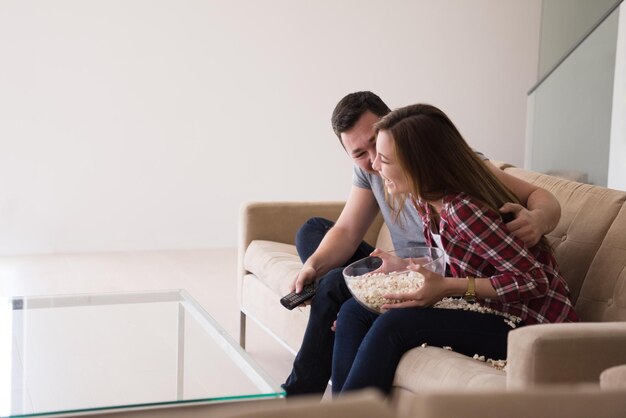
(375, 162)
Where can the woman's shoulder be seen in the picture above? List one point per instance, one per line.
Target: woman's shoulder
(456, 200)
(463, 205)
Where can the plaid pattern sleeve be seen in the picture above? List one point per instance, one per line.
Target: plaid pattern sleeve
(527, 281)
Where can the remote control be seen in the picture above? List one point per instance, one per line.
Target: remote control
(507, 217)
(294, 299)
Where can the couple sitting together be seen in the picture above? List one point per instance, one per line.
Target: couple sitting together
(433, 189)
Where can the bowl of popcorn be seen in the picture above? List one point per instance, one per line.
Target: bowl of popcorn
(370, 278)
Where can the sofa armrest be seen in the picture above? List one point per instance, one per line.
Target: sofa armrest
(277, 221)
(563, 353)
(614, 378)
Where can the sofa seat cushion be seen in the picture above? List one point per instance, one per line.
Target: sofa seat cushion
(274, 263)
(431, 369)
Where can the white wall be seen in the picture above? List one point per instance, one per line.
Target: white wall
(144, 124)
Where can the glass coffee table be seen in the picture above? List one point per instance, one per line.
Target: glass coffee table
(72, 355)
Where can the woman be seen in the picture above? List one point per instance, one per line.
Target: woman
(420, 153)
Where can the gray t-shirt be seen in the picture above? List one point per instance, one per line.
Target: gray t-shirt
(407, 230)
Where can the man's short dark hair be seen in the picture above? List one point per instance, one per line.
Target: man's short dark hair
(351, 108)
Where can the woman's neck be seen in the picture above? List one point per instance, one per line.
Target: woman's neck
(436, 204)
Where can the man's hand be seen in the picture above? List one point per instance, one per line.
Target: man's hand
(307, 275)
(390, 262)
(527, 224)
(543, 209)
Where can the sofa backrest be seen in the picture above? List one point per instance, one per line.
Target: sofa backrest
(589, 243)
(603, 294)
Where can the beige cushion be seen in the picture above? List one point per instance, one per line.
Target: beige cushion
(274, 263)
(587, 214)
(431, 368)
(272, 267)
(262, 304)
(384, 239)
(603, 294)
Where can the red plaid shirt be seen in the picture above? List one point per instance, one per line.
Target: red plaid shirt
(477, 243)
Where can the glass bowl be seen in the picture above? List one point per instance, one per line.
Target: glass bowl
(372, 277)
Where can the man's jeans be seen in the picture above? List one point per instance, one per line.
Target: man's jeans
(313, 364)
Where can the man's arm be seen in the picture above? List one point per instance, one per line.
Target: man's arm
(541, 213)
(341, 241)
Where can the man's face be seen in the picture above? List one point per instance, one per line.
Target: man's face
(360, 141)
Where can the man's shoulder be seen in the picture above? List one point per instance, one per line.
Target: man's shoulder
(362, 178)
(358, 171)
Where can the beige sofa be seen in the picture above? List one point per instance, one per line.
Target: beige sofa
(589, 243)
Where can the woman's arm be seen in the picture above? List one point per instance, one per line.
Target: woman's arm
(481, 231)
(435, 288)
(520, 276)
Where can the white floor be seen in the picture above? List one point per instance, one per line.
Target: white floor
(208, 275)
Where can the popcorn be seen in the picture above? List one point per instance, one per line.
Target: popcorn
(456, 303)
(496, 364)
(370, 288)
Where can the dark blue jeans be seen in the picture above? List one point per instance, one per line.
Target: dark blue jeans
(312, 366)
(368, 346)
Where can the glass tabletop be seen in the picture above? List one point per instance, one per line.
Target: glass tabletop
(80, 353)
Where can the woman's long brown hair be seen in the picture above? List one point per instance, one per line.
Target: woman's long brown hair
(437, 160)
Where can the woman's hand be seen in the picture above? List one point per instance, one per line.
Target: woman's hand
(434, 289)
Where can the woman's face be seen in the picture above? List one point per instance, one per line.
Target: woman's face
(386, 163)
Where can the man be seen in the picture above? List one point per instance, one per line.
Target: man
(325, 248)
